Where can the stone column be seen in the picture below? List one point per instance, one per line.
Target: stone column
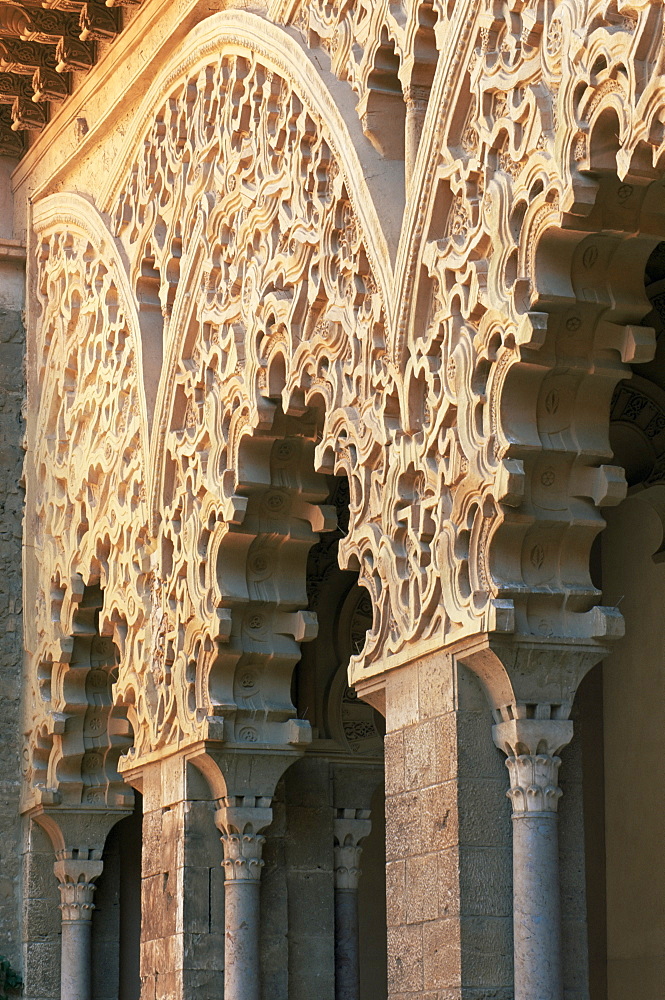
(531, 746)
(350, 827)
(416, 97)
(240, 819)
(76, 881)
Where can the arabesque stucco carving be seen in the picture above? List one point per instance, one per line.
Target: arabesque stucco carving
(235, 317)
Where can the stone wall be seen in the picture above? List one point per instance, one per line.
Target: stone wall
(634, 731)
(12, 346)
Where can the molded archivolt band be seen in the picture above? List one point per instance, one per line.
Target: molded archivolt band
(331, 102)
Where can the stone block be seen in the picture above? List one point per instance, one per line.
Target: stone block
(208, 983)
(403, 825)
(195, 902)
(487, 952)
(442, 958)
(274, 966)
(217, 898)
(307, 783)
(420, 755)
(169, 986)
(156, 909)
(484, 813)
(436, 687)
(486, 880)
(203, 951)
(41, 917)
(439, 820)
(402, 698)
(396, 893)
(173, 781)
(309, 840)
(405, 959)
(202, 847)
(575, 955)
(311, 966)
(393, 747)
(42, 969)
(172, 838)
(151, 853)
(422, 896)
(148, 986)
(478, 755)
(38, 877)
(311, 907)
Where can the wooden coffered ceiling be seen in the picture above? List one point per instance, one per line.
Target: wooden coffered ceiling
(44, 45)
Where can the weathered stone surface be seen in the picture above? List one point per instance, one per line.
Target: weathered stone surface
(410, 249)
(12, 397)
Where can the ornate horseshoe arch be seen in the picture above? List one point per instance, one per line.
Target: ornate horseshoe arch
(89, 513)
(253, 243)
(521, 283)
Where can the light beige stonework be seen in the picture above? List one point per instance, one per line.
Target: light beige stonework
(331, 314)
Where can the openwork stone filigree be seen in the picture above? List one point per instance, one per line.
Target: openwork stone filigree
(234, 299)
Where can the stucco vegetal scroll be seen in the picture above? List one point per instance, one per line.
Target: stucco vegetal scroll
(263, 326)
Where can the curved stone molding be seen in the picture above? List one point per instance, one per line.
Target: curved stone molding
(519, 309)
(87, 508)
(256, 320)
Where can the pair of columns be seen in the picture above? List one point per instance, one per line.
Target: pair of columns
(240, 824)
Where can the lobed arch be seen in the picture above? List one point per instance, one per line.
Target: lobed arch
(269, 341)
(88, 499)
(530, 233)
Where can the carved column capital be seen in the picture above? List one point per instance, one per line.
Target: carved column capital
(77, 887)
(416, 96)
(531, 746)
(534, 784)
(240, 818)
(350, 827)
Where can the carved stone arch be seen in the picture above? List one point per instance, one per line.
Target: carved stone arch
(533, 230)
(267, 351)
(74, 752)
(381, 106)
(371, 181)
(89, 492)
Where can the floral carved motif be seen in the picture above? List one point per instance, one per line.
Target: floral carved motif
(239, 305)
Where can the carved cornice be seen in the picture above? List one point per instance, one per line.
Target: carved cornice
(12, 250)
(39, 47)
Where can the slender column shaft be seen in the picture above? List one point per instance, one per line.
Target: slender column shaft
(350, 827)
(241, 948)
(416, 98)
(531, 745)
(536, 905)
(347, 958)
(243, 846)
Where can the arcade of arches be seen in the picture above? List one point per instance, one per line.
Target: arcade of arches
(332, 502)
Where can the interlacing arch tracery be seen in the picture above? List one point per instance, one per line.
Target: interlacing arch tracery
(460, 398)
(524, 303)
(89, 514)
